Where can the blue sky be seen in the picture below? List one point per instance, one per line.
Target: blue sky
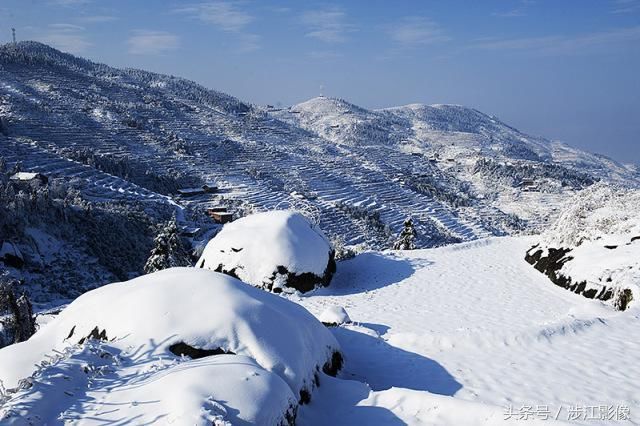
(564, 69)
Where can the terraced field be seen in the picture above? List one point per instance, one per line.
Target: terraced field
(128, 134)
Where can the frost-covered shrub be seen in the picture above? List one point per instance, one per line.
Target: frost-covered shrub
(343, 251)
(593, 248)
(272, 250)
(369, 219)
(457, 194)
(596, 214)
(407, 238)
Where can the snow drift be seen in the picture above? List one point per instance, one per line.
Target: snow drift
(272, 250)
(593, 249)
(199, 344)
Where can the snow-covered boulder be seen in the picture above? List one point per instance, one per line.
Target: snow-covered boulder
(334, 316)
(593, 249)
(187, 345)
(272, 250)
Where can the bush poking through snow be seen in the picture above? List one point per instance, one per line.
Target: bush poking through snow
(346, 252)
(273, 250)
(178, 337)
(407, 238)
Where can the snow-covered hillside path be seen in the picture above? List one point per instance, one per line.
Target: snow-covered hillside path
(474, 322)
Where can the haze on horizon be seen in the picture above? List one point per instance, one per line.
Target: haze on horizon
(563, 70)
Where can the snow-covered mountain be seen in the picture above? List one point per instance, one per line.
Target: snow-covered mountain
(134, 138)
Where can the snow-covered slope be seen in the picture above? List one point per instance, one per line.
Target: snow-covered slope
(186, 345)
(470, 334)
(272, 250)
(135, 137)
(594, 247)
(467, 334)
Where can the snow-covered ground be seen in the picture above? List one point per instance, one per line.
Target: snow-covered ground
(469, 334)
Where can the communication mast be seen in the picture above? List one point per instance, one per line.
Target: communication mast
(13, 33)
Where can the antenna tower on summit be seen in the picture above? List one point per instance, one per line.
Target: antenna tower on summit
(13, 33)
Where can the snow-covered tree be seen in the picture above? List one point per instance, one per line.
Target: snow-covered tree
(19, 323)
(168, 250)
(407, 238)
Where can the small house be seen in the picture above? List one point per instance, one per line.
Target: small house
(211, 211)
(29, 180)
(221, 217)
(30, 177)
(190, 192)
(199, 190)
(528, 185)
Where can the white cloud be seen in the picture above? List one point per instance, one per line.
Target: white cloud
(66, 37)
(415, 31)
(520, 10)
(625, 6)
(561, 45)
(513, 13)
(145, 42)
(69, 2)
(224, 15)
(228, 17)
(66, 27)
(328, 25)
(96, 19)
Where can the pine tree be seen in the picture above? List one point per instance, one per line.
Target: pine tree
(407, 238)
(168, 251)
(19, 323)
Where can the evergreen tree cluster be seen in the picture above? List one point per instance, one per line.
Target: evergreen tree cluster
(17, 322)
(99, 241)
(168, 250)
(512, 173)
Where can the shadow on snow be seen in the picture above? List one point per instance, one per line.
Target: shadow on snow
(370, 359)
(368, 271)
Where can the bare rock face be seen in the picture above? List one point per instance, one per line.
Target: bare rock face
(273, 250)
